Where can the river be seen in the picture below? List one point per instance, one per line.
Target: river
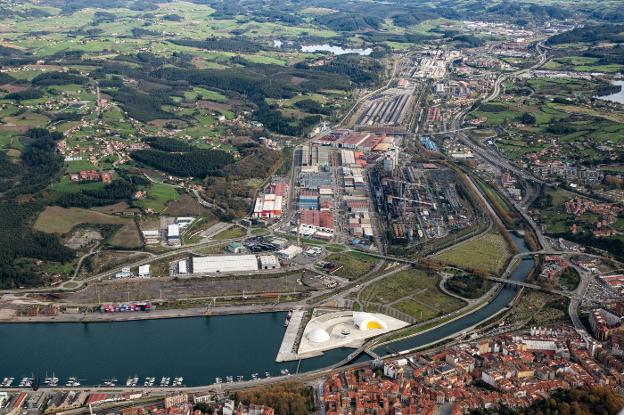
(197, 348)
(503, 298)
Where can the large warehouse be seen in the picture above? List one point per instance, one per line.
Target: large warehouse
(224, 263)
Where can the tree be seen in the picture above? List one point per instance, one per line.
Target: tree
(528, 119)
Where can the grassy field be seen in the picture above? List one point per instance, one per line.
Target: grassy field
(413, 292)
(538, 308)
(487, 253)
(233, 232)
(191, 234)
(352, 265)
(158, 196)
(570, 279)
(55, 219)
(127, 237)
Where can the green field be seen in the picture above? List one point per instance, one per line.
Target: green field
(230, 233)
(55, 219)
(352, 265)
(486, 253)
(158, 195)
(413, 292)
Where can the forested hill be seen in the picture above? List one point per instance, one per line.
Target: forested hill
(23, 198)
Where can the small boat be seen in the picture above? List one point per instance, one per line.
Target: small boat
(229, 379)
(254, 376)
(267, 375)
(286, 322)
(27, 382)
(7, 382)
(218, 380)
(129, 382)
(285, 372)
(72, 382)
(111, 383)
(51, 381)
(240, 378)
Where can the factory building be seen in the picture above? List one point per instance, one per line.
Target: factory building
(173, 234)
(144, 270)
(224, 264)
(268, 206)
(317, 220)
(268, 262)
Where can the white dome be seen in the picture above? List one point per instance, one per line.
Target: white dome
(366, 321)
(318, 335)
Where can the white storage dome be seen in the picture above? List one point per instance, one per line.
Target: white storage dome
(318, 335)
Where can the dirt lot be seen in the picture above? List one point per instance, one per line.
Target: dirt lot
(186, 206)
(151, 288)
(127, 237)
(82, 238)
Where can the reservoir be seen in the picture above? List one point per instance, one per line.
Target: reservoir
(336, 50)
(618, 96)
(197, 348)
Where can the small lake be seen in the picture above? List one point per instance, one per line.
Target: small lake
(618, 96)
(336, 50)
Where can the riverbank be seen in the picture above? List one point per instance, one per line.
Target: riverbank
(151, 315)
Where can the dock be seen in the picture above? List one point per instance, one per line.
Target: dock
(286, 351)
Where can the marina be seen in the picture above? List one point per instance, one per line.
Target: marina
(224, 347)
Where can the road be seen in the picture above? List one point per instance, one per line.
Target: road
(497, 85)
(578, 298)
(109, 273)
(493, 157)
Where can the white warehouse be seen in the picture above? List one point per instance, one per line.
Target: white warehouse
(224, 263)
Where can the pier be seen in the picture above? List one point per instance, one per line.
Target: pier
(286, 351)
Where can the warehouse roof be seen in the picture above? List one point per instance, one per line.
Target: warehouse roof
(224, 263)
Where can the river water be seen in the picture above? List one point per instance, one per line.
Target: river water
(197, 348)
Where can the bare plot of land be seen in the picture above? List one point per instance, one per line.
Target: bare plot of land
(153, 288)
